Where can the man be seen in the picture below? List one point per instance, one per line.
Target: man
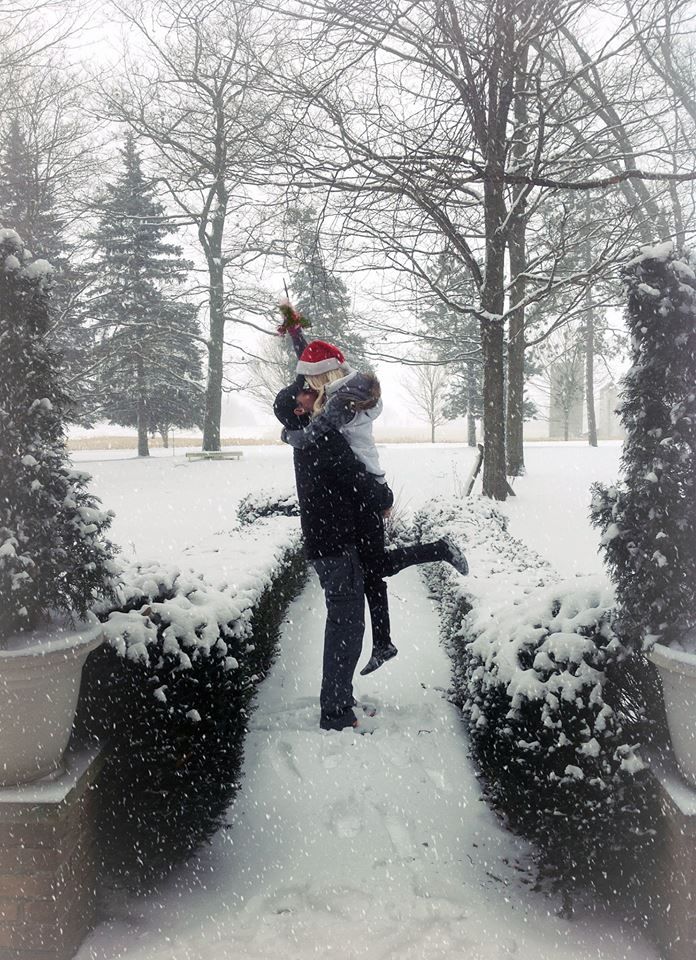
(333, 489)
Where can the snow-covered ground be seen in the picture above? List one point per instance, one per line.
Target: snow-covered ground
(165, 503)
(341, 845)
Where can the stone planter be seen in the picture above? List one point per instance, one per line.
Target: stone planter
(677, 671)
(39, 686)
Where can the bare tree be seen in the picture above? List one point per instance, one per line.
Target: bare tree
(191, 91)
(29, 30)
(270, 371)
(445, 173)
(427, 384)
(665, 35)
(451, 124)
(561, 379)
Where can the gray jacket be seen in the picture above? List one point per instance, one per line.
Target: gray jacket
(353, 403)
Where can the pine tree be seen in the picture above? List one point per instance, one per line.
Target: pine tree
(20, 208)
(649, 520)
(28, 206)
(322, 296)
(53, 554)
(456, 340)
(176, 397)
(147, 340)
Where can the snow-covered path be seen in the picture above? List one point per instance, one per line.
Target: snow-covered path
(352, 846)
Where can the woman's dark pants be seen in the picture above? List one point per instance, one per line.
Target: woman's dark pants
(379, 563)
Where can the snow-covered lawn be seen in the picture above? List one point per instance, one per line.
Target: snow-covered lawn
(165, 504)
(341, 845)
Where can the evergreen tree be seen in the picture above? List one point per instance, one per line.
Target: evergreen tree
(147, 340)
(21, 208)
(175, 397)
(322, 296)
(456, 341)
(649, 521)
(53, 555)
(28, 206)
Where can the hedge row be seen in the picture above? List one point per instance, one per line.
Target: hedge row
(173, 689)
(537, 672)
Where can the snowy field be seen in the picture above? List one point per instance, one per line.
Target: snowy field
(340, 845)
(165, 504)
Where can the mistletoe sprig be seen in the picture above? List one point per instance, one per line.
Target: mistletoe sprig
(291, 318)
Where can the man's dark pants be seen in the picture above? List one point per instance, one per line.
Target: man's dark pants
(341, 579)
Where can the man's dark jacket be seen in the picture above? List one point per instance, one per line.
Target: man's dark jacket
(337, 495)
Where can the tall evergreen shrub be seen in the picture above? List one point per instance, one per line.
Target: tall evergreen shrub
(30, 191)
(53, 553)
(648, 521)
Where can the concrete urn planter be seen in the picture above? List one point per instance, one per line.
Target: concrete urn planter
(677, 671)
(40, 677)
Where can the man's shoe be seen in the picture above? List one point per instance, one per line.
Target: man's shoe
(343, 722)
(455, 556)
(378, 658)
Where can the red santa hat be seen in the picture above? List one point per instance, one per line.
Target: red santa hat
(319, 357)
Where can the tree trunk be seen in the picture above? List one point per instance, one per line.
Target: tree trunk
(517, 248)
(216, 338)
(432, 433)
(589, 334)
(471, 430)
(589, 371)
(470, 400)
(164, 433)
(492, 135)
(143, 445)
(492, 340)
(514, 440)
(675, 198)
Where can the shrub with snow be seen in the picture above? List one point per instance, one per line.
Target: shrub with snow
(648, 522)
(173, 690)
(54, 557)
(267, 503)
(533, 659)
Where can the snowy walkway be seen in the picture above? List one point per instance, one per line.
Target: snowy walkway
(349, 847)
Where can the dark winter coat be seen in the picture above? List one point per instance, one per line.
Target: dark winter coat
(339, 500)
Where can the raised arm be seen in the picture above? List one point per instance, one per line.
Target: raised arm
(299, 341)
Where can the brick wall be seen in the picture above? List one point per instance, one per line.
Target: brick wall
(47, 865)
(674, 886)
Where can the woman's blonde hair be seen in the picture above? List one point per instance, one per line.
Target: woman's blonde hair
(319, 382)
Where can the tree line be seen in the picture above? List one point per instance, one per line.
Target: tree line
(491, 162)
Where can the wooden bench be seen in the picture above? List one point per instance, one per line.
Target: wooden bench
(214, 455)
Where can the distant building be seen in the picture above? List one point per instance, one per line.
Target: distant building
(609, 426)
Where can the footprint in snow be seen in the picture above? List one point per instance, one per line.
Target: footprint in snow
(301, 714)
(345, 818)
(438, 780)
(283, 760)
(399, 836)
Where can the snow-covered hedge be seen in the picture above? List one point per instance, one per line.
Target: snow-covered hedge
(267, 503)
(534, 664)
(173, 688)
